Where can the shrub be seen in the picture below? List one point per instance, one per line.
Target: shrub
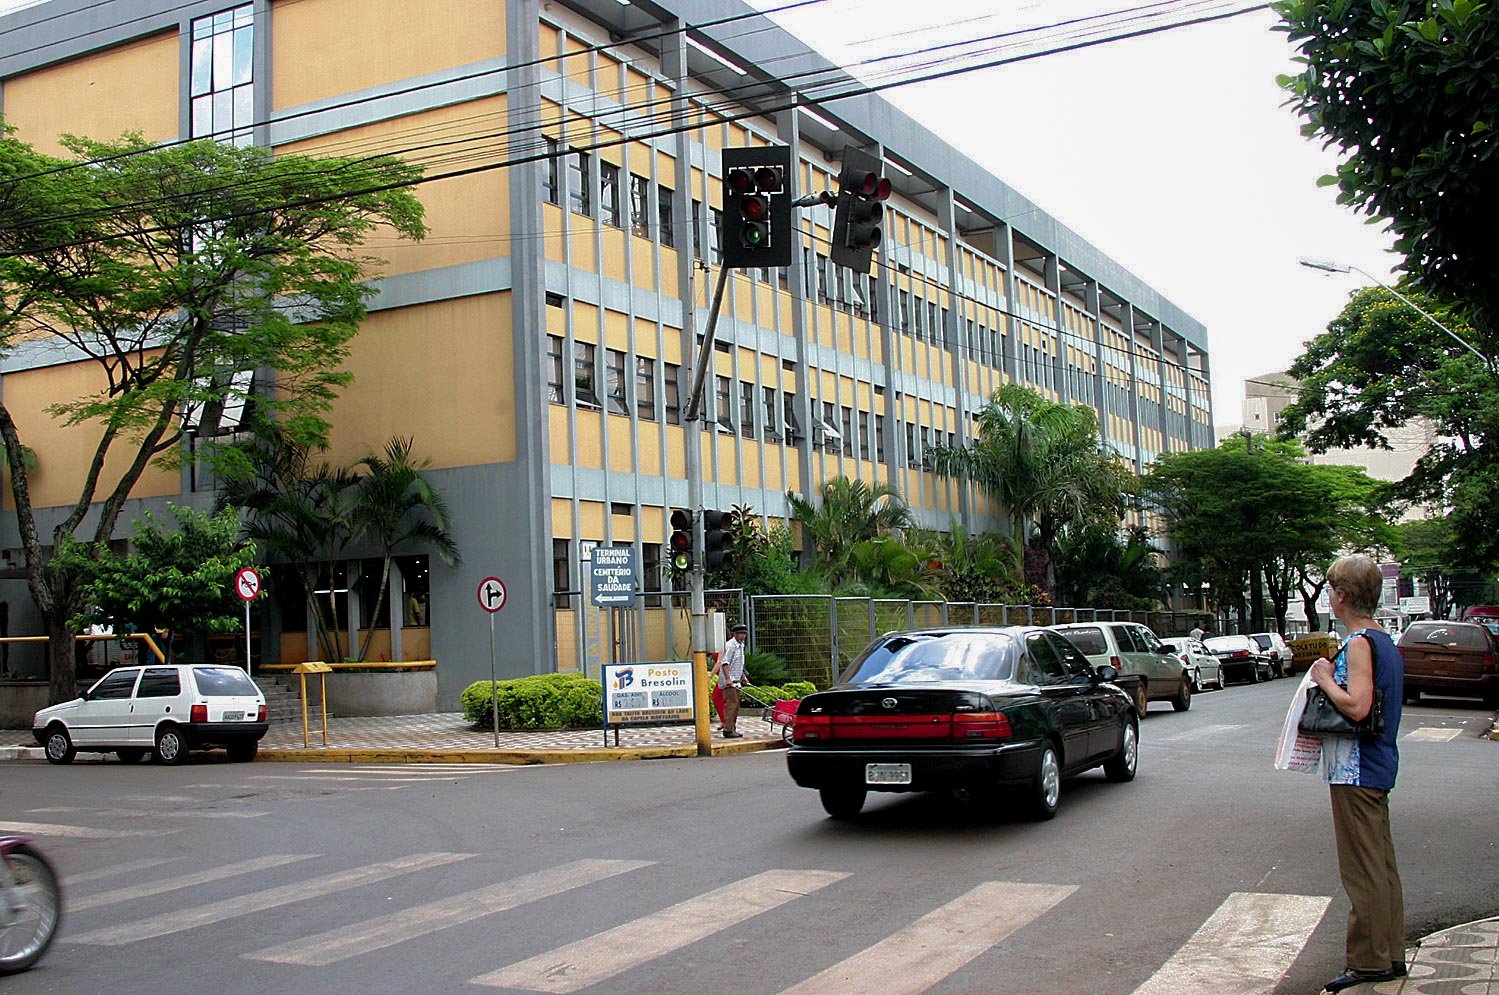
(762, 667)
(542, 701)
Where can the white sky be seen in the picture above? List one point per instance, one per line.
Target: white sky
(1170, 153)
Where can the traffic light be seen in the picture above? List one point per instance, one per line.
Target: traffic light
(756, 213)
(680, 542)
(717, 532)
(862, 192)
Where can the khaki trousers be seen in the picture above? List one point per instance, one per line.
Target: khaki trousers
(730, 707)
(1366, 863)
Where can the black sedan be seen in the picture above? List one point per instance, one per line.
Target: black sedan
(986, 712)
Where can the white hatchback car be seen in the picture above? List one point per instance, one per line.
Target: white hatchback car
(1197, 662)
(170, 710)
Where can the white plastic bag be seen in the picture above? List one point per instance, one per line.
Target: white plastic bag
(1297, 750)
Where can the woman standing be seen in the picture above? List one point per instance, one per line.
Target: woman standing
(1361, 771)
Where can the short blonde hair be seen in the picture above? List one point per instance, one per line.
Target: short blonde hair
(1359, 580)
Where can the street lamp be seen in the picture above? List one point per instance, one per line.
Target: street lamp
(1333, 267)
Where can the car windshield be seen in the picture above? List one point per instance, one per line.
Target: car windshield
(924, 657)
(1089, 639)
(223, 682)
(1452, 636)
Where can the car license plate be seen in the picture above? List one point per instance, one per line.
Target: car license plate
(234, 716)
(887, 773)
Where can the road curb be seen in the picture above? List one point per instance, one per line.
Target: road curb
(22, 753)
(513, 757)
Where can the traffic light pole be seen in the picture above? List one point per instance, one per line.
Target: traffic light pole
(693, 453)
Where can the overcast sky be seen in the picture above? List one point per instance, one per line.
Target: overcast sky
(1171, 153)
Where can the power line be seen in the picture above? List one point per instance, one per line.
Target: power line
(860, 90)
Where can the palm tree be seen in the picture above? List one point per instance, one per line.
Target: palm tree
(850, 512)
(395, 504)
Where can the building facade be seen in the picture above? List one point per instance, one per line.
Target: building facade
(538, 345)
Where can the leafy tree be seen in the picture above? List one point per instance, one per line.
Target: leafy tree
(849, 513)
(1427, 549)
(978, 568)
(177, 581)
(1409, 92)
(170, 270)
(1099, 567)
(1375, 369)
(895, 570)
(394, 504)
(761, 558)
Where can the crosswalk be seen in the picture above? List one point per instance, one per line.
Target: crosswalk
(1246, 945)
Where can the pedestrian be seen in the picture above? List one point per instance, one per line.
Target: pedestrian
(1361, 772)
(730, 673)
(1197, 633)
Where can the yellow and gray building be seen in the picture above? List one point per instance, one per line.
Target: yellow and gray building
(538, 345)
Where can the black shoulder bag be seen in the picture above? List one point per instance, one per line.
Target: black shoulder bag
(1322, 718)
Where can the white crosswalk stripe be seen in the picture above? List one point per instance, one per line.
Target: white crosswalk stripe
(1192, 735)
(601, 957)
(940, 942)
(388, 930)
(1245, 946)
(204, 876)
(1433, 734)
(115, 870)
(188, 918)
(77, 832)
(163, 813)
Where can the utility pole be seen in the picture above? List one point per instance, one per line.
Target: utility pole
(1256, 587)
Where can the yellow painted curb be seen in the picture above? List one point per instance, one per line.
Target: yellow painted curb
(516, 757)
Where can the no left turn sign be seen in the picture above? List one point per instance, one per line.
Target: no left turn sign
(492, 594)
(247, 583)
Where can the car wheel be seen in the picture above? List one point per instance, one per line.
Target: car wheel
(171, 745)
(1183, 699)
(59, 746)
(243, 751)
(1197, 680)
(1046, 787)
(842, 803)
(1122, 765)
(1254, 672)
(131, 754)
(1142, 698)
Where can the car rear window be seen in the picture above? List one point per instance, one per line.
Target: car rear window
(1224, 642)
(1460, 637)
(1089, 639)
(223, 682)
(919, 658)
(1264, 641)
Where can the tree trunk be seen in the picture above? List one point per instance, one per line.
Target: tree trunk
(62, 682)
(364, 643)
(1313, 617)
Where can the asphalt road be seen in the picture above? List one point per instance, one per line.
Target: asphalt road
(719, 874)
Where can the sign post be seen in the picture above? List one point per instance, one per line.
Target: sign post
(492, 596)
(247, 586)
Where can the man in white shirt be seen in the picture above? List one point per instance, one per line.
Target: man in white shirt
(730, 673)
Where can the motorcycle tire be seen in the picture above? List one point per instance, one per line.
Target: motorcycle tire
(35, 884)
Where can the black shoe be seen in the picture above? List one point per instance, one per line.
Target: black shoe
(1397, 968)
(1351, 977)
(731, 734)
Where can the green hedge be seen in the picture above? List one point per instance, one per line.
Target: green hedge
(543, 701)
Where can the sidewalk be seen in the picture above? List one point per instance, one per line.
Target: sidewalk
(1456, 961)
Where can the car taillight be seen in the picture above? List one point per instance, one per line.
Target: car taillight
(260, 715)
(1116, 663)
(805, 727)
(1184, 658)
(981, 725)
(1488, 662)
(199, 713)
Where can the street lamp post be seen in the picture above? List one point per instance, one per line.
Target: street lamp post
(1332, 267)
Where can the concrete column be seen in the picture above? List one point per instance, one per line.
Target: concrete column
(955, 340)
(789, 129)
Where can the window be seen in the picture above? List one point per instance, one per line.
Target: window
(577, 183)
(668, 232)
(416, 610)
(640, 206)
(645, 388)
(879, 438)
(913, 454)
(223, 85)
(847, 425)
(905, 310)
(873, 299)
(650, 572)
(223, 682)
(771, 414)
(697, 228)
(116, 685)
(715, 230)
(747, 410)
(554, 300)
(725, 410)
(864, 435)
(822, 277)
(671, 375)
(793, 427)
(583, 375)
(554, 370)
(926, 442)
(614, 381)
(1042, 664)
(561, 572)
(551, 181)
(609, 207)
(159, 682)
(832, 439)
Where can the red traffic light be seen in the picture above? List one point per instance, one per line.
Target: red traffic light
(752, 208)
(740, 181)
(767, 180)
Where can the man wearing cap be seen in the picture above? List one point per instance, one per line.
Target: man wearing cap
(730, 673)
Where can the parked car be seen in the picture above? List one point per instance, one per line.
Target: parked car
(1133, 650)
(991, 713)
(168, 710)
(1450, 658)
(1240, 656)
(1485, 615)
(1197, 663)
(1274, 645)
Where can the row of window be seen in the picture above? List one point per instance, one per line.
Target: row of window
(641, 220)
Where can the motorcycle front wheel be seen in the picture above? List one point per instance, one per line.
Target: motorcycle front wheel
(30, 910)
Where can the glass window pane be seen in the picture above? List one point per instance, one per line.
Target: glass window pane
(244, 106)
(244, 48)
(223, 62)
(202, 66)
(202, 116)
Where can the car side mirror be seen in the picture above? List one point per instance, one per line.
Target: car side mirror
(1105, 673)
